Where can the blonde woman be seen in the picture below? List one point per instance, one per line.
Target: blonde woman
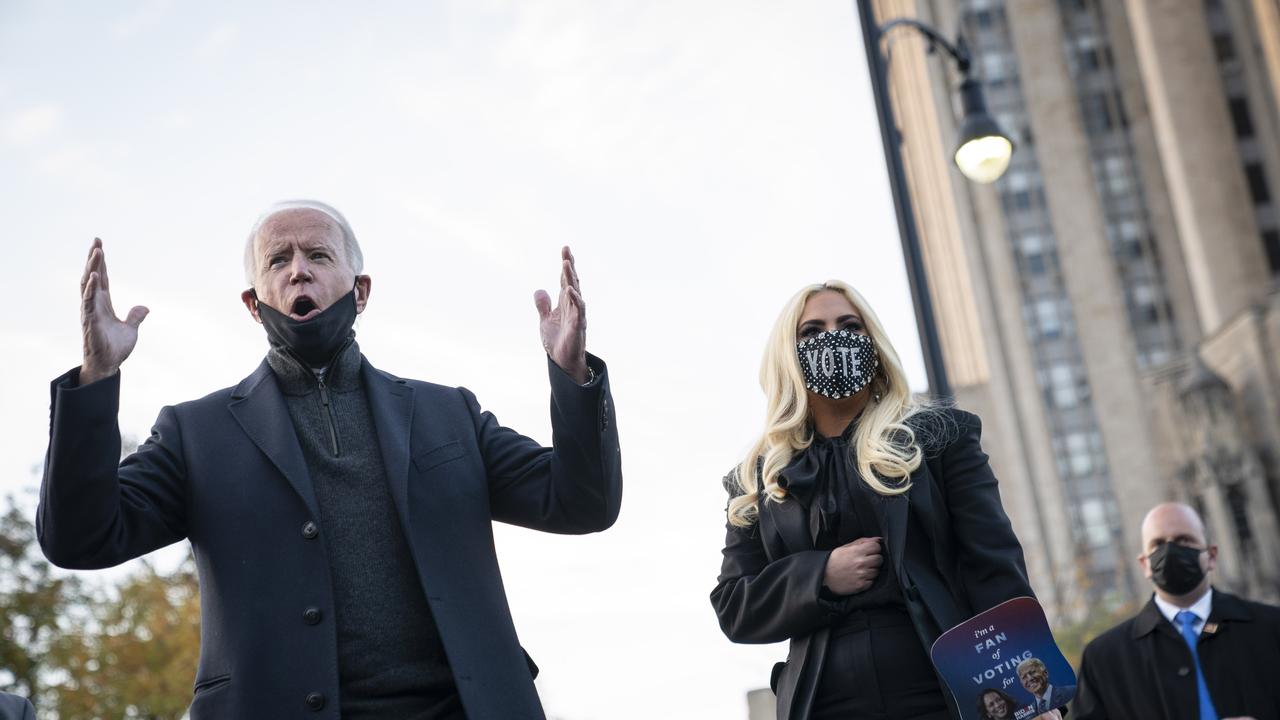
(862, 523)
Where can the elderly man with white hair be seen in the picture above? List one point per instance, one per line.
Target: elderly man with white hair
(340, 517)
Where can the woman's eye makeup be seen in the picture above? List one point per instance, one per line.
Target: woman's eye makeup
(808, 331)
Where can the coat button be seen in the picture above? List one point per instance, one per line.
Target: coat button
(310, 530)
(315, 701)
(1184, 671)
(311, 616)
(913, 594)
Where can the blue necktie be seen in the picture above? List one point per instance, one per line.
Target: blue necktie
(1187, 621)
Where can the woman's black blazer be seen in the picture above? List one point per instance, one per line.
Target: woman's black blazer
(948, 539)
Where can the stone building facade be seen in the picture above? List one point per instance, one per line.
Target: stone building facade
(1111, 305)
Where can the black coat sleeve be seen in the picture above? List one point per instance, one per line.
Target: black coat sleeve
(575, 486)
(988, 555)
(1088, 703)
(93, 512)
(763, 601)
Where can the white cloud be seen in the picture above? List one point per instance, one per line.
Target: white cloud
(30, 126)
(218, 42)
(145, 16)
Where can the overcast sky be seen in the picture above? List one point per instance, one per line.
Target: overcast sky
(703, 159)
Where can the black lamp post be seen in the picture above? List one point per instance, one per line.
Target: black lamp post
(982, 154)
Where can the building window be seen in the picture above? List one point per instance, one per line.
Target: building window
(1079, 456)
(1047, 318)
(1121, 116)
(1016, 201)
(1238, 501)
(1093, 515)
(1271, 242)
(1223, 48)
(1240, 117)
(1096, 115)
(1257, 183)
(1114, 171)
(1063, 385)
(994, 66)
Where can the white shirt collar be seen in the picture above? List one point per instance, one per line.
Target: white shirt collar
(1200, 608)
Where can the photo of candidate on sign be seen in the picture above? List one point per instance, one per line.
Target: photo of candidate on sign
(1003, 664)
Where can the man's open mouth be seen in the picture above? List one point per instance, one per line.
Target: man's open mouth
(304, 308)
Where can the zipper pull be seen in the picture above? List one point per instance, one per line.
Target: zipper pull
(328, 416)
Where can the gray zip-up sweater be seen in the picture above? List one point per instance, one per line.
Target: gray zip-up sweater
(391, 662)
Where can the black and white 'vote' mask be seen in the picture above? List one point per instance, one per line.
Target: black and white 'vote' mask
(837, 363)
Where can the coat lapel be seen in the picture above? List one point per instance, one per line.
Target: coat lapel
(893, 522)
(391, 404)
(259, 408)
(1150, 620)
(790, 520)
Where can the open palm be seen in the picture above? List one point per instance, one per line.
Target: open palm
(108, 340)
(564, 328)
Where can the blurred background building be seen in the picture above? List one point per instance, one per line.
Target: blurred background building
(1110, 306)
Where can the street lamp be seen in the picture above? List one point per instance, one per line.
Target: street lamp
(983, 151)
(982, 154)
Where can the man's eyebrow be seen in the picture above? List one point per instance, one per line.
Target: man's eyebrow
(275, 245)
(271, 247)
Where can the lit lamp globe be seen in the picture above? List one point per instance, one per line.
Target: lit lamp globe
(984, 150)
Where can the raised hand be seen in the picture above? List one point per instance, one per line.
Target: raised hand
(108, 340)
(853, 567)
(564, 328)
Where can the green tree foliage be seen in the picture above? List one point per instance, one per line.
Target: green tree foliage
(137, 656)
(128, 651)
(35, 606)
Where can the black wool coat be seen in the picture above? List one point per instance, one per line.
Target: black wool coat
(227, 473)
(1142, 667)
(948, 539)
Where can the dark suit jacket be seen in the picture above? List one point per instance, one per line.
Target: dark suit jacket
(1060, 695)
(948, 539)
(227, 472)
(1142, 667)
(15, 707)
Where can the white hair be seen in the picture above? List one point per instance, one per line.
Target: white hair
(355, 258)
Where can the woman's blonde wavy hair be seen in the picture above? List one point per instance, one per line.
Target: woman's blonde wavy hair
(883, 443)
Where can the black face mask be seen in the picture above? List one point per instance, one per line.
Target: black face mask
(314, 341)
(1175, 568)
(837, 363)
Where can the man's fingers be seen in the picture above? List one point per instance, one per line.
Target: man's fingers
(91, 263)
(575, 298)
(567, 254)
(103, 281)
(136, 316)
(542, 301)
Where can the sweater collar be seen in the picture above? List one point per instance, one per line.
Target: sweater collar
(296, 378)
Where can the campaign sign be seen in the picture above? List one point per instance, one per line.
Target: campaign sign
(1004, 665)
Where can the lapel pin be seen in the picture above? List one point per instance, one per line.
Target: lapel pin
(1210, 628)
